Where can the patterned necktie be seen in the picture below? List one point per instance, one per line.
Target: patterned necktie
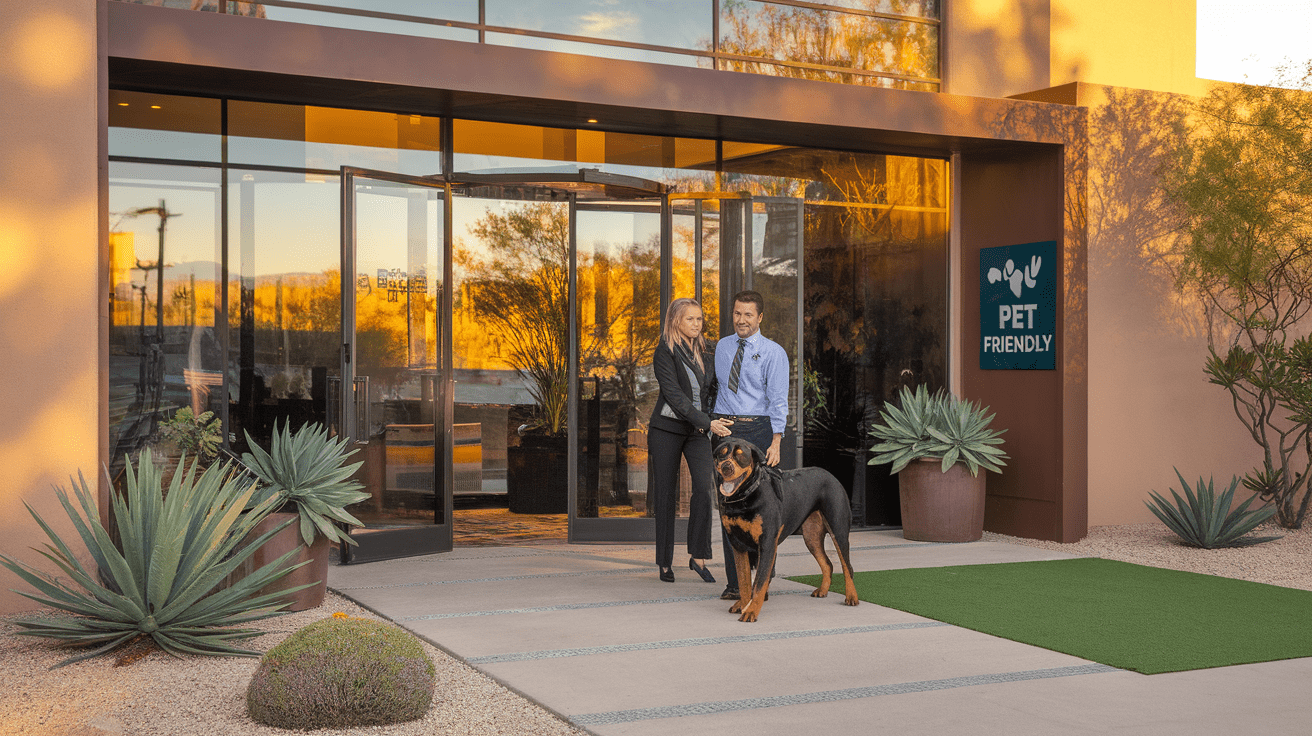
(737, 366)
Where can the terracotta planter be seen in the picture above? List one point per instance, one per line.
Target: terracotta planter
(282, 543)
(941, 507)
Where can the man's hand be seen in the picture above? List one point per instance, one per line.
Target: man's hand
(772, 454)
(720, 427)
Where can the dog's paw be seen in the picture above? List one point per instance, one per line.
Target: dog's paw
(817, 593)
(851, 600)
(749, 616)
(737, 607)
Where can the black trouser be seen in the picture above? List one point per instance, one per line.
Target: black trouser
(664, 449)
(756, 430)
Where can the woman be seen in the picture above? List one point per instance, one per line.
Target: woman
(685, 371)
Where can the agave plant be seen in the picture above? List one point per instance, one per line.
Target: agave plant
(175, 550)
(938, 426)
(1204, 520)
(306, 467)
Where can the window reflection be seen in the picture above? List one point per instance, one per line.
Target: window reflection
(619, 324)
(593, 49)
(165, 126)
(682, 163)
(875, 303)
(839, 33)
(284, 299)
(164, 348)
(675, 23)
(814, 36)
(303, 136)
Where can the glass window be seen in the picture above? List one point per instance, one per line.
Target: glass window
(830, 38)
(915, 8)
(367, 23)
(301, 136)
(482, 147)
(592, 49)
(465, 11)
(680, 24)
(619, 324)
(875, 293)
(165, 126)
(284, 299)
(164, 333)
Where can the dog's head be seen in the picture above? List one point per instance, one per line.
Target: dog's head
(735, 464)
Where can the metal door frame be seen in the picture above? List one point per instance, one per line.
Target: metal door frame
(400, 542)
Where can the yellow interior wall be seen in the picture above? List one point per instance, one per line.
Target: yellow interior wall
(49, 285)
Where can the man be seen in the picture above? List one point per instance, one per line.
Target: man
(752, 371)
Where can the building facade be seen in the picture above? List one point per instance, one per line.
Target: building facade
(518, 188)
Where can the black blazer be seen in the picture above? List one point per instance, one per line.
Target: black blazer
(676, 392)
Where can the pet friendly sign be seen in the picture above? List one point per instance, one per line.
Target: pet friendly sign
(1018, 307)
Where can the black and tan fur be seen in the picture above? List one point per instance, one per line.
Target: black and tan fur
(760, 506)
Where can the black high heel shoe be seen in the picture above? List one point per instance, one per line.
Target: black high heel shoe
(667, 574)
(706, 574)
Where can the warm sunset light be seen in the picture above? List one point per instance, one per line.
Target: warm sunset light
(1246, 40)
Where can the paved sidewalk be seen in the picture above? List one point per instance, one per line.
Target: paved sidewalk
(589, 632)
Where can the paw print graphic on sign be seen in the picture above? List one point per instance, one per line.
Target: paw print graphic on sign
(1009, 273)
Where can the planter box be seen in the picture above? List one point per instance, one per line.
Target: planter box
(537, 476)
(941, 507)
(282, 543)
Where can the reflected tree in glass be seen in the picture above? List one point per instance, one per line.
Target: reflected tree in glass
(518, 287)
(828, 38)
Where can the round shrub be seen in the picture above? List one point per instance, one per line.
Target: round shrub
(342, 672)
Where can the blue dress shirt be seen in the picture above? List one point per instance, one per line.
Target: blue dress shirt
(762, 379)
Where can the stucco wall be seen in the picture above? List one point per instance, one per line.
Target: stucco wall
(1150, 406)
(1001, 48)
(49, 291)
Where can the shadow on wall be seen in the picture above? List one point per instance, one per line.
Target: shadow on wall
(1150, 406)
(1002, 48)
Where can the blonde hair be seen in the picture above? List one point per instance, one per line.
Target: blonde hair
(673, 336)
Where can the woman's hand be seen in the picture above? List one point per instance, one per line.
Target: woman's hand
(721, 427)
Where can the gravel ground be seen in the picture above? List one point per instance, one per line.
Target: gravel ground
(1286, 562)
(161, 694)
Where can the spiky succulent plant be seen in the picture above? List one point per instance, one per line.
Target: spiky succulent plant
(1202, 519)
(938, 426)
(160, 582)
(306, 467)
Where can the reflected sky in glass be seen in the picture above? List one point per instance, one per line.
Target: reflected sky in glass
(678, 23)
(589, 49)
(380, 25)
(460, 10)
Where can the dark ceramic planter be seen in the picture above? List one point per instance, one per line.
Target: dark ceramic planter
(941, 507)
(283, 542)
(537, 476)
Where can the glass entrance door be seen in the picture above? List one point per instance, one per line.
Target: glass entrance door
(726, 242)
(391, 400)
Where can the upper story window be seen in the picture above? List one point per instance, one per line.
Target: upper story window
(883, 43)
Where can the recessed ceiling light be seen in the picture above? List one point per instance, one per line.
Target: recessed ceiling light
(592, 120)
(154, 107)
(122, 104)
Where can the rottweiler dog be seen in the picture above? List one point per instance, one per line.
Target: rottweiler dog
(761, 505)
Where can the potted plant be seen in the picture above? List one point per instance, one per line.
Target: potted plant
(185, 434)
(305, 472)
(937, 444)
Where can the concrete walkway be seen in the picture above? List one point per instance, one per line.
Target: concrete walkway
(589, 632)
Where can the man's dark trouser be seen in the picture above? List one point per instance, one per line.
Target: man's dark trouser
(756, 430)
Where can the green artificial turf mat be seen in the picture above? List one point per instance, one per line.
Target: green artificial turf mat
(1133, 617)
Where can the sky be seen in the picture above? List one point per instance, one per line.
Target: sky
(1243, 40)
